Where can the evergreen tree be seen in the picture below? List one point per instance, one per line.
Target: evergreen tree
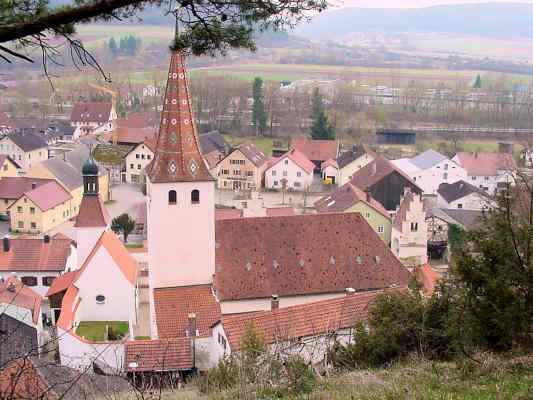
(259, 115)
(113, 47)
(477, 83)
(321, 128)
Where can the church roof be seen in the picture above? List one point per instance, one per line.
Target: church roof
(177, 157)
(301, 255)
(92, 213)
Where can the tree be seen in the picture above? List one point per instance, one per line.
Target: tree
(123, 224)
(477, 83)
(321, 128)
(208, 26)
(259, 115)
(113, 47)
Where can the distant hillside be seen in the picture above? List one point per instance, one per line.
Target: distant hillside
(489, 19)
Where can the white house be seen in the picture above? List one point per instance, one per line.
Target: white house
(429, 169)
(462, 195)
(409, 234)
(93, 117)
(487, 171)
(26, 149)
(349, 162)
(137, 160)
(330, 170)
(293, 169)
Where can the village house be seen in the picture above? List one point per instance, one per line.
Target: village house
(12, 189)
(329, 171)
(21, 321)
(409, 231)
(214, 148)
(137, 160)
(8, 167)
(318, 151)
(26, 149)
(242, 169)
(41, 209)
(429, 169)
(385, 182)
(487, 171)
(292, 171)
(351, 161)
(349, 198)
(93, 118)
(37, 261)
(463, 195)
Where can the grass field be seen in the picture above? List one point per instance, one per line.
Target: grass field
(96, 330)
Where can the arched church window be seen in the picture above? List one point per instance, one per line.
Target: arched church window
(172, 197)
(195, 196)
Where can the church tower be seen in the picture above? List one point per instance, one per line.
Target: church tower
(181, 191)
(92, 219)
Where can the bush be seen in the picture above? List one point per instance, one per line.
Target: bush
(223, 377)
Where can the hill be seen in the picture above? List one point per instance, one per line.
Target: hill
(489, 19)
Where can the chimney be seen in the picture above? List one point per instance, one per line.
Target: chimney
(46, 239)
(192, 324)
(368, 195)
(349, 291)
(33, 185)
(274, 302)
(6, 244)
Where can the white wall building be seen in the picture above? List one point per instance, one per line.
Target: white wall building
(462, 195)
(293, 169)
(137, 160)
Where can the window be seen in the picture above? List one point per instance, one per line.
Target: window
(244, 204)
(142, 156)
(445, 176)
(459, 205)
(32, 210)
(236, 172)
(381, 229)
(486, 178)
(286, 162)
(20, 224)
(47, 280)
(275, 183)
(131, 166)
(284, 173)
(139, 166)
(274, 172)
(446, 167)
(172, 197)
(414, 226)
(225, 183)
(137, 156)
(195, 196)
(149, 156)
(474, 178)
(19, 209)
(299, 174)
(29, 280)
(367, 215)
(249, 173)
(33, 225)
(225, 172)
(297, 184)
(100, 299)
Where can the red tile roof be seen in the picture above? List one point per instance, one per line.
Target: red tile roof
(14, 292)
(91, 112)
(138, 120)
(279, 212)
(173, 306)
(134, 135)
(375, 171)
(298, 158)
(486, 164)
(299, 255)
(69, 306)
(177, 157)
(299, 321)
(92, 213)
(13, 188)
(35, 255)
(48, 196)
(316, 150)
(328, 163)
(345, 197)
(62, 283)
(118, 252)
(228, 213)
(158, 355)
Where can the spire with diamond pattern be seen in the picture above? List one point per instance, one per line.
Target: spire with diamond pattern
(177, 155)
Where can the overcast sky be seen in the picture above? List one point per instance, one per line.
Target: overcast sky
(416, 3)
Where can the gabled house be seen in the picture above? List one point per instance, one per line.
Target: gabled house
(487, 171)
(242, 169)
(351, 161)
(292, 171)
(12, 189)
(385, 182)
(318, 151)
(213, 146)
(8, 167)
(409, 235)
(349, 198)
(137, 160)
(429, 169)
(463, 195)
(37, 262)
(93, 118)
(329, 170)
(27, 149)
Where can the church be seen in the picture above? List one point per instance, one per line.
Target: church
(208, 279)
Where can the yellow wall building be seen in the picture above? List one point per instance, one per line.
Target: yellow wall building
(8, 168)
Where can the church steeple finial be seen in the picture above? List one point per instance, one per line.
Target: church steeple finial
(177, 155)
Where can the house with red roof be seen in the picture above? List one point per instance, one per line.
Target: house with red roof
(93, 118)
(487, 171)
(293, 171)
(349, 198)
(318, 151)
(409, 236)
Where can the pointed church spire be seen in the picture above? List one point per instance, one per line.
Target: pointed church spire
(177, 156)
